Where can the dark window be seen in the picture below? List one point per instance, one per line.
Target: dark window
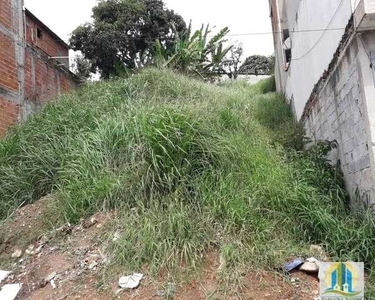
(285, 34)
(287, 46)
(39, 33)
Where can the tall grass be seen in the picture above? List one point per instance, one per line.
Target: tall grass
(191, 167)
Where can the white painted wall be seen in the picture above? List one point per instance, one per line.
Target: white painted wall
(312, 51)
(251, 79)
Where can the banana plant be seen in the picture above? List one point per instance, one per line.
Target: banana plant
(195, 53)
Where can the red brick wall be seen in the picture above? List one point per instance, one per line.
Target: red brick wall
(46, 42)
(8, 64)
(44, 80)
(9, 88)
(6, 13)
(9, 112)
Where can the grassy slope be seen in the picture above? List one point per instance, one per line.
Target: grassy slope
(191, 167)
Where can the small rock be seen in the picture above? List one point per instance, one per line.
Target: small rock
(43, 240)
(116, 236)
(294, 279)
(42, 284)
(319, 252)
(37, 250)
(89, 223)
(51, 276)
(67, 228)
(311, 266)
(92, 265)
(222, 263)
(17, 253)
(29, 249)
(119, 291)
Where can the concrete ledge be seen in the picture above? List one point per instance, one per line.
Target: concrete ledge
(364, 15)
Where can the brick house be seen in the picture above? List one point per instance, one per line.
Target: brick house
(30, 74)
(325, 66)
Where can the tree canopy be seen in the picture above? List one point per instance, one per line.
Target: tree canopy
(257, 65)
(231, 65)
(123, 34)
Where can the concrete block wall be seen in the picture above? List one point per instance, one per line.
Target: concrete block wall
(338, 113)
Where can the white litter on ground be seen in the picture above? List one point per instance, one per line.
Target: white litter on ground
(10, 291)
(131, 281)
(3, 275)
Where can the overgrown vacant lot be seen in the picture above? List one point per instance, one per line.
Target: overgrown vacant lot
(190, 168)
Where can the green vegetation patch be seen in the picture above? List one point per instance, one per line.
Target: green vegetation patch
(191, 168)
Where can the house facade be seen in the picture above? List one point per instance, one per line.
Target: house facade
(34, 64)
(325, 66)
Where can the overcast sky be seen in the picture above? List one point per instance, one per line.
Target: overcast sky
(241, 16)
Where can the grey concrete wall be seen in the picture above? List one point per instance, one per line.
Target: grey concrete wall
(339, 113)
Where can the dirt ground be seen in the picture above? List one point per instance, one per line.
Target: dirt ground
(68, 264)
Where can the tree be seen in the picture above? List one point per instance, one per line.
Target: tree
(232, 64)
(195, 53)
(257, 65)
(123, 34)
(82, 67)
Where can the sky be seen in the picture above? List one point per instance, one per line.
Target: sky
(241, 16)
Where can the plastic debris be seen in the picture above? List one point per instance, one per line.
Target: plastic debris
(293, 265)
(311, 265)
(10, 291)
(131, 281)
(53, 283)
(3, 275)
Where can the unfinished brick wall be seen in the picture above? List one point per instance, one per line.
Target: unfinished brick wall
(8, 64)
(41, 37)
(44, 80)
(28, 76)
(9, 72)
(5, 14)
(338, 114)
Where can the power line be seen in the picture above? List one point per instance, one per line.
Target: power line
(322, 35)
(254, 33)
(291, 31)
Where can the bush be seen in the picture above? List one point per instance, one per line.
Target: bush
(267, 85)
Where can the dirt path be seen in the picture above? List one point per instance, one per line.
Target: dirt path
(68, 264)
